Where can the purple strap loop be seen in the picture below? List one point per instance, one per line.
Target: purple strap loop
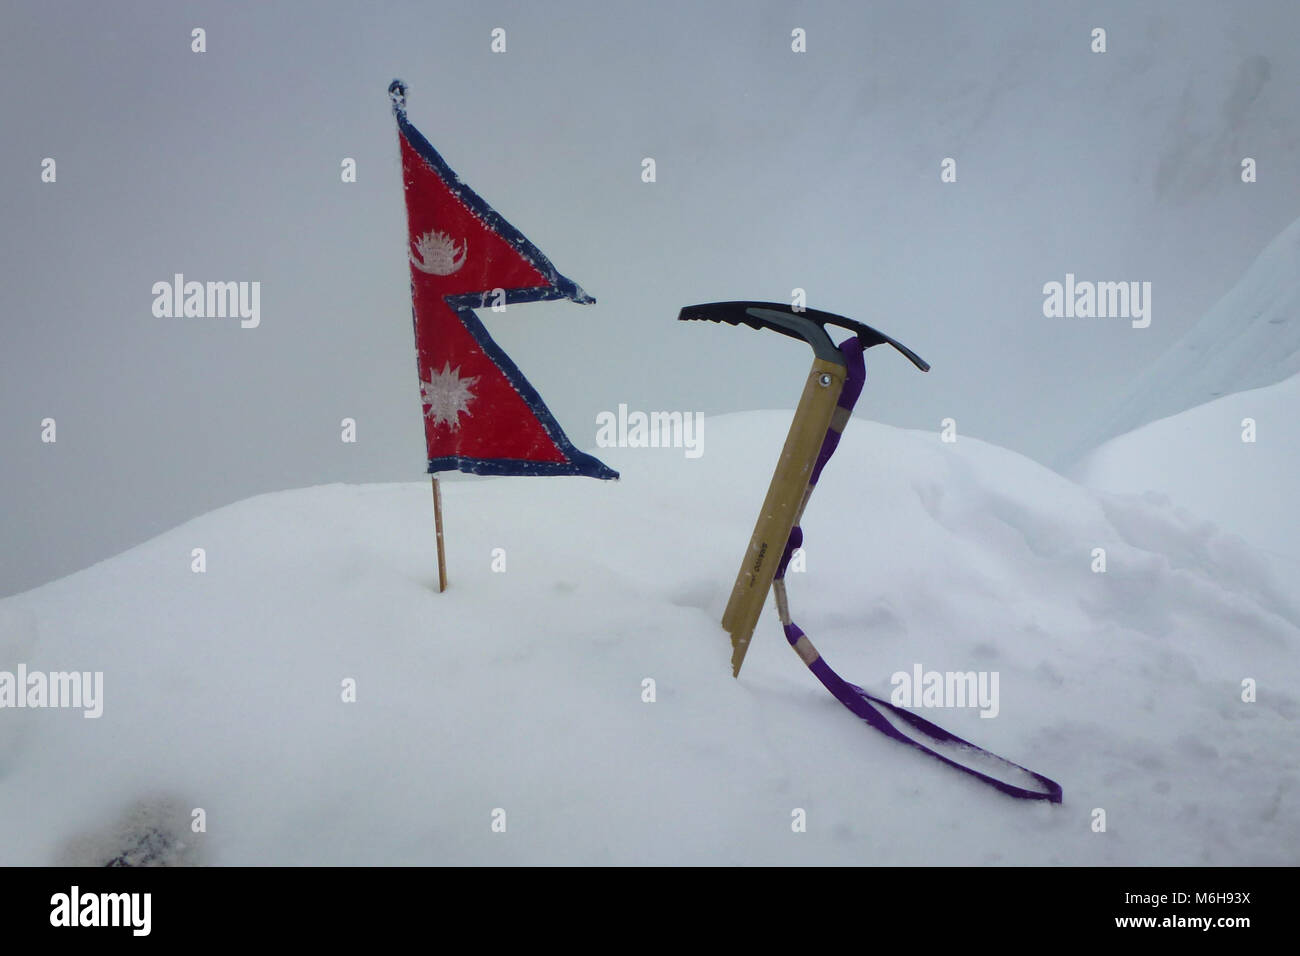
(857, 700)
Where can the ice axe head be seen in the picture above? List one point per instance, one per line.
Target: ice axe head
(806, 324)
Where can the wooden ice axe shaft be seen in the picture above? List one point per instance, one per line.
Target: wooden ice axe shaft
(783, 504)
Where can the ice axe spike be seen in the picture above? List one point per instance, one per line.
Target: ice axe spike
(815, 415)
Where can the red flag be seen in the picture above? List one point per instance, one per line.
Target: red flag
(480, 414)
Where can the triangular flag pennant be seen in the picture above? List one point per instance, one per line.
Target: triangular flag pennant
(480, 414)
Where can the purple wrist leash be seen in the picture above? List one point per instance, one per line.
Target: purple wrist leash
(866, 706)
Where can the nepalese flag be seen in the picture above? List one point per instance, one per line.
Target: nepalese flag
(480, 414)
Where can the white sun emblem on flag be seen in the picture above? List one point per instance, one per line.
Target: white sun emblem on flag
(447, 395)
(440, 254)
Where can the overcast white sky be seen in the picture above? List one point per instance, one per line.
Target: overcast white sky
(776, 170)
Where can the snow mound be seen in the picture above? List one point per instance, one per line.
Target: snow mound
(522, 690)
(1249, 339)
(1199, 460)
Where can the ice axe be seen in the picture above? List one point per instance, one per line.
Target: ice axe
(832, 389)
(818, 413)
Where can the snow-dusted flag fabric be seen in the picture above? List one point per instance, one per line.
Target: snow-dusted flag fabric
(480, 414)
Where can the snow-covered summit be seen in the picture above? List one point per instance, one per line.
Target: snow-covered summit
(522, 690)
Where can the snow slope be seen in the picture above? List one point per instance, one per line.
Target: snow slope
(1198, 460)
(522, 690)
(1249, 339)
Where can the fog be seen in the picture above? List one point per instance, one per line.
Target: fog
(775, 170)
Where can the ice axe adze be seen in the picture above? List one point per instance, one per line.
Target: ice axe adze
(792, 481)
(832, 389)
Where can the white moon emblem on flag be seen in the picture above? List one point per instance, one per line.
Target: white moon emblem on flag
(447, 395)
(440, 255)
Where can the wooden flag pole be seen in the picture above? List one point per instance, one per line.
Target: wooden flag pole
(437, 525)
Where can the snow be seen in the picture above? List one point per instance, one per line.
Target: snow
(522, 690)
(1198, 460)
(1248, 340)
